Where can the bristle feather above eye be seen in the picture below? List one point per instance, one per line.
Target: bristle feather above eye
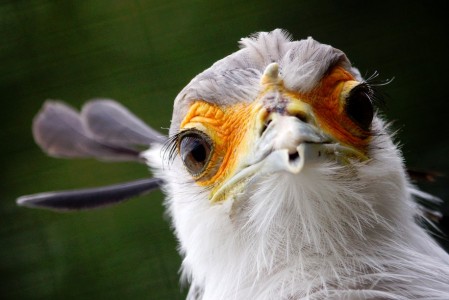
(378, 96)
(170, 148)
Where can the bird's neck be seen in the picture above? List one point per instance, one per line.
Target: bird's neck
(297, 234)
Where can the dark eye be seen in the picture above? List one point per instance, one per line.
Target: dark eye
(195, 149)
(359, 106)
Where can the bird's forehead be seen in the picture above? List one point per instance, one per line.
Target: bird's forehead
(235, 79)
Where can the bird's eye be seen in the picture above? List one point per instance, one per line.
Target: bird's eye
(358, 106)
(195, 149)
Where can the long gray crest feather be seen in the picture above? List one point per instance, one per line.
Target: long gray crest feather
(99, 132)
(90, 198)
(110, 122)
(104, 130)
(59, 131)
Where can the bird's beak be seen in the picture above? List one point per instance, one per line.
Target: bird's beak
(283, 136)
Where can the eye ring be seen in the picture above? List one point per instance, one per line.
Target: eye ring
(359, 106)
(195, 149)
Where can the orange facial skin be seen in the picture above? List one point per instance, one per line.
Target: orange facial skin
(232, 128)
(227, 128)
(328, 106)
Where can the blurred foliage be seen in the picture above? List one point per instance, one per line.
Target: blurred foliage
(142, 53)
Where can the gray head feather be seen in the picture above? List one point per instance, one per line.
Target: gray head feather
(236, 77)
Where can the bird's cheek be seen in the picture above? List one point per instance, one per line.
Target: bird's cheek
(230, 129)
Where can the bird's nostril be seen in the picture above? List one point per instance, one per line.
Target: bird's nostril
(301, 116)
(293, 156)
(265, 125)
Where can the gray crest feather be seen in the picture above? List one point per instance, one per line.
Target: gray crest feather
(90, 198)
(110, 122)
(104, 130)
(59, 131)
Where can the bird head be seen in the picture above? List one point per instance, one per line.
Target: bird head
(280, 144)
(223, 146)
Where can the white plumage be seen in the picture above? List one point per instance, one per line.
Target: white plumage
(305, 224)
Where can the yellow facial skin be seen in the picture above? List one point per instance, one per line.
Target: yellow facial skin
(233, 129)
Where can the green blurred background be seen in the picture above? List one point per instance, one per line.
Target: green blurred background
(142, 53)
